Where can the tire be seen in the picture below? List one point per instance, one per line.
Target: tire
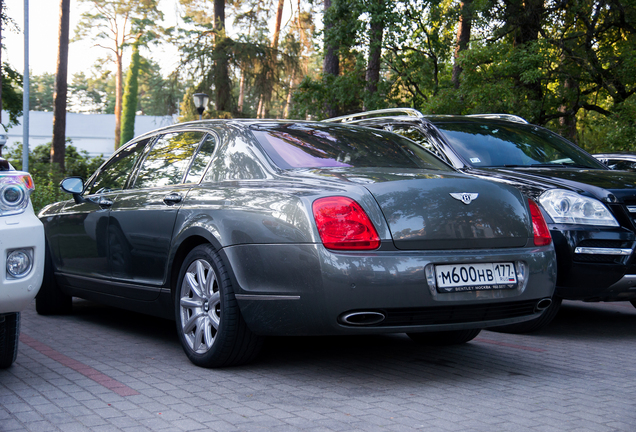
(211, 329)
(9, 336)
(533, 325)
(50, 300)
(442, 338)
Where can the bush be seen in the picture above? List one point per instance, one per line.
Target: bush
(46, 176)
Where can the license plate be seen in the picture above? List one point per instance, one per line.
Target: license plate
(474, 277)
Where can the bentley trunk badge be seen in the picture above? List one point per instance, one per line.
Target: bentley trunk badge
(465, 197)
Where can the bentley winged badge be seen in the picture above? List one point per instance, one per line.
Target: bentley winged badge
(465, 197)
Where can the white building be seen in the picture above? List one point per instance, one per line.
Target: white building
(94, 133)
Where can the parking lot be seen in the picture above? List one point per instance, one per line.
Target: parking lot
(107, 369)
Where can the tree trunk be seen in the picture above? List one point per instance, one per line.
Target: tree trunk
(463, 37)
(241, 98)
(222, 75)
(58, 145)
(375, 51)
(269, 84)
(331, 62)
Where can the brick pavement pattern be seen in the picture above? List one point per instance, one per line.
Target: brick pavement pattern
(104, 369)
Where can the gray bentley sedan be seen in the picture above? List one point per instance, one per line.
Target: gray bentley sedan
(241, 229)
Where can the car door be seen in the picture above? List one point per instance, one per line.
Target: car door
(143, 216)
(79, 234)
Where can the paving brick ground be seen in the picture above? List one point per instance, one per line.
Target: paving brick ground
(102, 369)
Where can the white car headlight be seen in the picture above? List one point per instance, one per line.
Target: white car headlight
(15, 189)
(569, 207)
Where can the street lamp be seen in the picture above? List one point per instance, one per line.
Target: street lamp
(200, 102)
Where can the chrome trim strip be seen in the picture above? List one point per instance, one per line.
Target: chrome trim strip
(631, 209)
(626, 282)
(265, 297)
(602, 251)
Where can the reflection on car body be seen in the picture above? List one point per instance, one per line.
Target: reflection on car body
(293, 228)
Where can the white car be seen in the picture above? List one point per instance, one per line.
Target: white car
(22, 249)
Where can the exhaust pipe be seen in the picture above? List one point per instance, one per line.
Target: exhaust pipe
(362, 318)
(543, 304)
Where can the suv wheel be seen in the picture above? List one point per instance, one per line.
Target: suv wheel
(209, 323)
(9, 336)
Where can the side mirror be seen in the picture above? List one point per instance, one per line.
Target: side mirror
(74, 186)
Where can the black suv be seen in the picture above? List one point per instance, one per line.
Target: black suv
(590, 209)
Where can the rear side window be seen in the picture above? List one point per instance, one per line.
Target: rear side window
(167, 161)
(314, 146)
(114, 175)
(200, 161)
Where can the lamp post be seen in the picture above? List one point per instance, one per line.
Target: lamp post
(200, 102)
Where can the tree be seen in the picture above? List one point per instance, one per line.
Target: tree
(58, 144)
(377, 10)
(463, 37)
(130, 97)
(42, 92)
(119, 22)
(10, 79)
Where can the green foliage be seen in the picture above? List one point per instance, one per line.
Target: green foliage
(47, 176)
(11, 94)
(95, 94)
(130, 98)
(41, 91)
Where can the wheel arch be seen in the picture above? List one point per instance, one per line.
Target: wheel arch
(188, 240)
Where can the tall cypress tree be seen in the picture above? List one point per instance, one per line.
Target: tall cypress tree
(130, 97)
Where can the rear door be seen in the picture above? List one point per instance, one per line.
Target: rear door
(143, 216)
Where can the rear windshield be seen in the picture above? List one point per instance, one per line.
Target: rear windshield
(501, 145)
(314, 146)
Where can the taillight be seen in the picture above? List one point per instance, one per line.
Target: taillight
(540, 229)
(343, 224)
(15, 188)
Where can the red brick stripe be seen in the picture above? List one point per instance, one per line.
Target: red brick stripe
(87, 371)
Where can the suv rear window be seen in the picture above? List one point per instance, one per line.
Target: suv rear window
(498, 144)
(312, 146)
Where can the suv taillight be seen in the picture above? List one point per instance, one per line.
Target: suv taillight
(343, 224)
(15, 189)
(540, 229)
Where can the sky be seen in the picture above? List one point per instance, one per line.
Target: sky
(43, 34)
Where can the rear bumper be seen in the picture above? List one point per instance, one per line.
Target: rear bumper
(23, 231)
(306, 289)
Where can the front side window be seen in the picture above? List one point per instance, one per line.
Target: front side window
(114, 175)
(166, 163)
(301, 146)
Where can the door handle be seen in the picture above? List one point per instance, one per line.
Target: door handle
(172, 199)
(105, 203)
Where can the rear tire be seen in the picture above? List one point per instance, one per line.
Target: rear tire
(50, 300)
(442, 338)
(533, 325)
(9, 337)
(211, 329)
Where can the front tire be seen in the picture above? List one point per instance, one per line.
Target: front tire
(211, 329)
(535, 324)
(442, 338)
(50, 300)
(9, 336)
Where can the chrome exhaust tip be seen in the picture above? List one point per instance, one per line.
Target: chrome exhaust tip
(543, 304)
(362, 318)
